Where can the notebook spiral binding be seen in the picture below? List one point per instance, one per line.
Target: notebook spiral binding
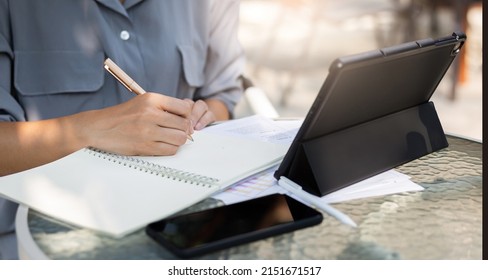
(153, 168)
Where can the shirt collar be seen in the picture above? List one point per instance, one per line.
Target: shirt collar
(129, 3)
(116, 6)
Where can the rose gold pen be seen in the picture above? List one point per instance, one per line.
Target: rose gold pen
(125, 79)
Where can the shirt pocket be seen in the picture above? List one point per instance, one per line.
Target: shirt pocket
(54, 72)
(193, 63)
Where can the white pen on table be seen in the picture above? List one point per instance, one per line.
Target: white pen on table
(314, 201)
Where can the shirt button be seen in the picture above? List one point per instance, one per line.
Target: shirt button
(124, 35)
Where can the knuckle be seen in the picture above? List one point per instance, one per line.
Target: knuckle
(148, 98)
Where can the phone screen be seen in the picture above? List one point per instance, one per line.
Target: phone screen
(205, 231)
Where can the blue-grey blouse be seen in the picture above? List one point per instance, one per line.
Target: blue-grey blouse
(52, 53)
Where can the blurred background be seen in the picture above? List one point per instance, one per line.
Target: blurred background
(290, 43)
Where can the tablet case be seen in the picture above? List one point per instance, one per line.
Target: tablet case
(341, 143)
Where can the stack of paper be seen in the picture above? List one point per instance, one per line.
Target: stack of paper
(283, 132)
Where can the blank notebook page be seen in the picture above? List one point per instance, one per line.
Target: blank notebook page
(118, 195)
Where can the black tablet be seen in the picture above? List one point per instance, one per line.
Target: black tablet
(392, 84)
(198, 233)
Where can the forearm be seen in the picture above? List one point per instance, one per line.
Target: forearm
(24, 145)
(150, 124)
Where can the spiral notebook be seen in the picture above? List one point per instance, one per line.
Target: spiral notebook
(117, 195)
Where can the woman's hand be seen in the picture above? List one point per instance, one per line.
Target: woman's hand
(206, 112)
(148, 124)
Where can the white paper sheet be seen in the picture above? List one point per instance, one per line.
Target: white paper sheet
(283, 132)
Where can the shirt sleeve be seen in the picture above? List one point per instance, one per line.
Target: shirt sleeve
(10, 109)
(225, 56)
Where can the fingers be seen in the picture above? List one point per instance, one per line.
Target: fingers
(169, 120)
(148, 124)
(192, 122)
(176, 113)
(201, 116)
(205, 120)
(161, 141)
(173, 105)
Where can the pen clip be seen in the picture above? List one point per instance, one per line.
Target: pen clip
(117, 77)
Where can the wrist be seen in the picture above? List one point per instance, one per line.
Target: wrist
(77, 131)
(218, 108)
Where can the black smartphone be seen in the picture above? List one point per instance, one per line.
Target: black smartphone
(198, 233)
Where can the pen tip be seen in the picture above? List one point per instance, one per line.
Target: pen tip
(352, 223)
